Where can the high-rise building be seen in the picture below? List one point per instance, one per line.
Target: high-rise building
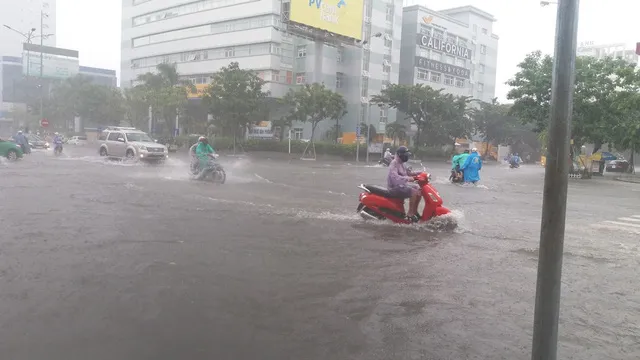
(23, 17)
(455, 50)
(203, 36)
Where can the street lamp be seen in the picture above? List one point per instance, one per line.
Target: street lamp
(28, 37)
(362, 90)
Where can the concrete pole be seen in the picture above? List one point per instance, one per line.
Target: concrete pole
(554, 205)
(150, 119)
(41, 66)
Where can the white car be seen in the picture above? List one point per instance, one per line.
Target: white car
(77, 140)
(130, 143)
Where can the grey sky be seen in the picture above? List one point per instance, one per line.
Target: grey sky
(93, 28)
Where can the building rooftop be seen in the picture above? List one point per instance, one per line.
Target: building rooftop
(468, 8)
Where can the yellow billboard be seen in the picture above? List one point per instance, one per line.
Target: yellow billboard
(200, 89)
(342, 17)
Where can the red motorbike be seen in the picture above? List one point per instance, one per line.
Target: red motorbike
(376, 203)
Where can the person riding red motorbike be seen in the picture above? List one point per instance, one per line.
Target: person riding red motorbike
(400, 182)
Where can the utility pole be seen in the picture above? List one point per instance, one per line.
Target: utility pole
(554, 205)
(42, 15)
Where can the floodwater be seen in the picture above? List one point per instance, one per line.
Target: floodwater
(103, 260)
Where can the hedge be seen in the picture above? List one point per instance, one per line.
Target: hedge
(346, 151)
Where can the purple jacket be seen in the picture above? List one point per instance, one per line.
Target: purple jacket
(398, 175)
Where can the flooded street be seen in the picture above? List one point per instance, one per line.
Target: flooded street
(103, 260)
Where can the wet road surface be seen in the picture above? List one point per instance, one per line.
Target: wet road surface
(103, 260)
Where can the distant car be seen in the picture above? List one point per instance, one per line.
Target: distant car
(77, 140)
(10, 150)
(37, 142)
(130, 143)
(617, 166)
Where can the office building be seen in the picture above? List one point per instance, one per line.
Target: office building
(601, 51)
(22, 16)
(455, 50)
(203, 36)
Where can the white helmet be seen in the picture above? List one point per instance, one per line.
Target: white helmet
(474, 149)
(388, 149)
(56, 134)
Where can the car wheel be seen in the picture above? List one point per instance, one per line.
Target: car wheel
(103, 151)
(12, 155)
(130, 155)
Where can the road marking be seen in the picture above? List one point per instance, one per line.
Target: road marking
(630, 224)
(622, 223)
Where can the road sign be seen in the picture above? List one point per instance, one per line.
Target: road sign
(44, 122)
(358, 131)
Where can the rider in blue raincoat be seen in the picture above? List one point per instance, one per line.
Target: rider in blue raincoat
(471, 167)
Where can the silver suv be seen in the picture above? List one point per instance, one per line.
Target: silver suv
(129, 143)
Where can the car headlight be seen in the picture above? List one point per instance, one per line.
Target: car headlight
(46, 144)
(143, 148)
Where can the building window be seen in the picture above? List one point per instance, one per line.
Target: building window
(275, 75)
(481, 68)
(364, 87)
(459, 82)
(339, 54)
(451, 39)
(424, 53)
(449, 59)
(301, 78)
(387, 40)
(483, 49)
(480, 87)
(435, 56)
(435, 77)
(184, 9)
(386, 69)
(448, 80)
(460, 62)
(438, 34)
(389, 15)
(302, 51)
(462, 42)
(422, 74)
(425, 30)
(485, 31)
(365, 60)
(339, 80)
(229, 52)
(384, 114)
(297, 133)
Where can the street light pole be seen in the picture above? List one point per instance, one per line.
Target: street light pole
(42, 15)
(554, 204)
(363, 109)
(28, 37)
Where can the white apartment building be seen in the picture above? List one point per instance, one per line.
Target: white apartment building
(22, 16)
(454, 49)
(600, 51)
(203, 36)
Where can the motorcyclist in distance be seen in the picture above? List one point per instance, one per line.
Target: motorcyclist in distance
(399, 182)
(22, 140)
(388, 155)
(203, 152)
(57, 139)
(515, 160)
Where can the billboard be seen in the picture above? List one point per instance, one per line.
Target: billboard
(56, 63)
(443, 68)
(342, 17)
(200, 90)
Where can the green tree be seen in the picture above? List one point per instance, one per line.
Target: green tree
(452, 119)
(368, 130)
(419, 102)
(314, 103)
(493, 121)
(594, 109)
(235, 99)
(163, 91)
(396, 131)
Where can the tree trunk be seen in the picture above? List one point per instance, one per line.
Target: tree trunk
(337, 130)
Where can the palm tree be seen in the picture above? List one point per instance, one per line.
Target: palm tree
(164, 91)
(396, 131)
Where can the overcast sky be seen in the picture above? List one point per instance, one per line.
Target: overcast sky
(93, 28)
